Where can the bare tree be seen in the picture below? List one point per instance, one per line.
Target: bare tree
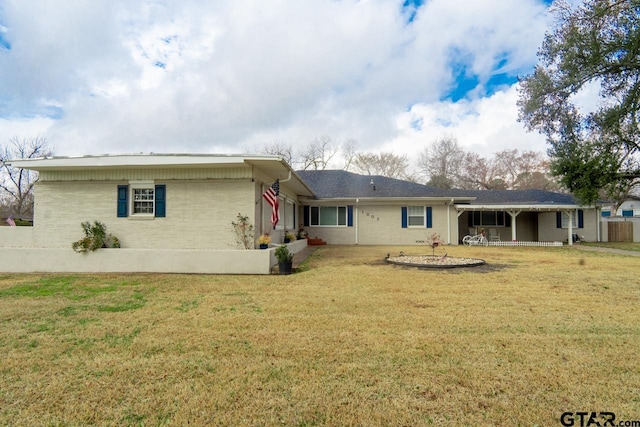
(385, 164)
(319, 153)
(280, 148)
(16, 184)
(524, 170)
(349, 152)
(442, 162)
(478, 173)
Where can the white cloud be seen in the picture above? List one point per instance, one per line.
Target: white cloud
(225, 76)
(484, 126)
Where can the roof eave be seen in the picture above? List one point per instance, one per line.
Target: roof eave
(137, 161)
(516, 206)
(388, 200)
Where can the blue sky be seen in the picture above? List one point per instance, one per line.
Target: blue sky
(233, 76)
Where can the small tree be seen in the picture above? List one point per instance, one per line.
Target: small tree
(244, 231)
(17, 183)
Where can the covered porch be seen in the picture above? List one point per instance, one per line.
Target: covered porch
(514, 225)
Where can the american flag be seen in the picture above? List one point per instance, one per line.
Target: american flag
(11, 222)
(271, 196)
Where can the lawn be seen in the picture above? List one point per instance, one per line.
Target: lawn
(349, 341)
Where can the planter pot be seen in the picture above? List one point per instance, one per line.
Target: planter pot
(285, 267)
(264, 246)
(286, 240)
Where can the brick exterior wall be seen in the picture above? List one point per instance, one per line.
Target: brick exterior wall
(198, 213)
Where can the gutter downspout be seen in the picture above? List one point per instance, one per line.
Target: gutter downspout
(288, 178)
(449, 221)
(356, 220)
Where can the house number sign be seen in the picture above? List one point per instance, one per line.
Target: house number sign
(372, 216)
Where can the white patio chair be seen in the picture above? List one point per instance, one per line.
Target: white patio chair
(493, 235)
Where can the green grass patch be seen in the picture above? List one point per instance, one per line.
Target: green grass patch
(351, 341)
(70, 287)
(625, 246)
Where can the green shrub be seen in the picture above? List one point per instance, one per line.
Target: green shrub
(283, 255)
(95, 237)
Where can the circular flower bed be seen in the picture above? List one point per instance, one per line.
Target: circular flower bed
(437, 261)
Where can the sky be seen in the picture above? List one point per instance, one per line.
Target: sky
(230, 77)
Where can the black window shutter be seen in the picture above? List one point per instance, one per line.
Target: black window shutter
(161, 201)
(305, 213)
(580, 218)
(123, 201)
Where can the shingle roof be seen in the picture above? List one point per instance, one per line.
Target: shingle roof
(520, 197)
(328, 184)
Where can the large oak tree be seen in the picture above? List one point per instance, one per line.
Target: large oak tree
(594, 45)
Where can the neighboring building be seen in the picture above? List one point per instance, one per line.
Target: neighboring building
(174, 212)
(628, 208)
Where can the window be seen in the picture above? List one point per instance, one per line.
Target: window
(289, 215)
(143, 199)
(328, 215)
(488, 218)
(415, 216)
(565, 219)
(577, 219)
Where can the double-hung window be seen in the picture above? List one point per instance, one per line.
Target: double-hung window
(141, 199)
(577, 219)
(415, 216)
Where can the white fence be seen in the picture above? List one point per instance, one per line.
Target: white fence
(518, 243)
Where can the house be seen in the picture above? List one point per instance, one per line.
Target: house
(629, 208)
(173, 213)
(348, 208)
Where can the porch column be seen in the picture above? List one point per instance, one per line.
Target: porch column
(570, 227)
(513, 215)
(458, 213)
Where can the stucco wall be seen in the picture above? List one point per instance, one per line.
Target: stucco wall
(65, 260)
(16, 237)
(198, 214)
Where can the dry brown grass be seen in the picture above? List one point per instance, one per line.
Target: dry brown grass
(350, 341)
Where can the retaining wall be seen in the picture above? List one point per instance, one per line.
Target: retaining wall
(124, 260)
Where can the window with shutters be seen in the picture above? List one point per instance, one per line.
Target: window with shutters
(141, 199)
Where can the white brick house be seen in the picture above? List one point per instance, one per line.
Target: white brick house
(173, 213)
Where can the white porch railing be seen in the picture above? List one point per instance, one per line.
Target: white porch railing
(518, 243)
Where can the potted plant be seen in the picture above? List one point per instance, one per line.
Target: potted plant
(285, 259)
(264, 240)
(289, 237)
